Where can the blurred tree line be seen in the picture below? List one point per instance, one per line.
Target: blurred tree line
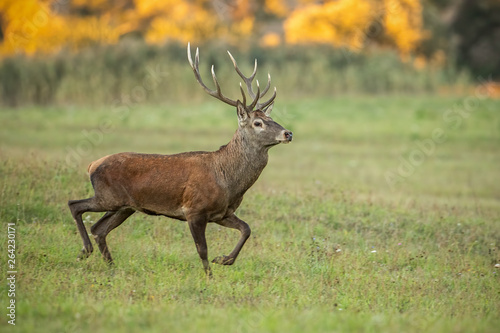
(34, 26)
(426, 35)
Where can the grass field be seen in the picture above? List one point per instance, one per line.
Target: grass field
(383, 215)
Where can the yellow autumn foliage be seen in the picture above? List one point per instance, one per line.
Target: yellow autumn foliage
(32, 27)
(403, 24)
(277, 7)
(345, 23)
(45, 26)
(339, 23)
(177, 20)
(195, 20)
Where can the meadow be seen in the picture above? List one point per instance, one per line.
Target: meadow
(381, 216)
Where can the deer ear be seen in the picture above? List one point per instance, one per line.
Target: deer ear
(241, 111)
(268, 109)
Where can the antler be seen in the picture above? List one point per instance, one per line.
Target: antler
(248, 82)
(215, 93)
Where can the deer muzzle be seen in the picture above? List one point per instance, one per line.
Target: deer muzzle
(286, 136)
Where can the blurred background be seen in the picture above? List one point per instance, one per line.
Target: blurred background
(83, 52)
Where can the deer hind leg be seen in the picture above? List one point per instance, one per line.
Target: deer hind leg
(78, 207)
(103, 227)
(198, 227)
(234, 222)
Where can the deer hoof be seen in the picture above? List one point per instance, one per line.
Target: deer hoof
(84, 254)
(223, 260)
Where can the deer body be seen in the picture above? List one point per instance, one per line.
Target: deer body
(197, 187)
(174, 185)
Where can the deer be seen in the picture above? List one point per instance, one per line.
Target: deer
(197, 187)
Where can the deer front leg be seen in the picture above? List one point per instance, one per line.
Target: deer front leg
(234, 222)
(197, 227)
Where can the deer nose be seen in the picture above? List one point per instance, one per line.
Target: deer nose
(288, 135)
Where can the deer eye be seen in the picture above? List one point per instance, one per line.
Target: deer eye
(257, 123)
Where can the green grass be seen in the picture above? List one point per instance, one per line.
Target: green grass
(319, 211)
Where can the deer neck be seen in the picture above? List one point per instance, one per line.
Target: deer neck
(240, 163)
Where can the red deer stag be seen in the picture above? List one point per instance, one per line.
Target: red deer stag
(197, 187)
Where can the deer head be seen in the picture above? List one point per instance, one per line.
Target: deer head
(254, 119)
